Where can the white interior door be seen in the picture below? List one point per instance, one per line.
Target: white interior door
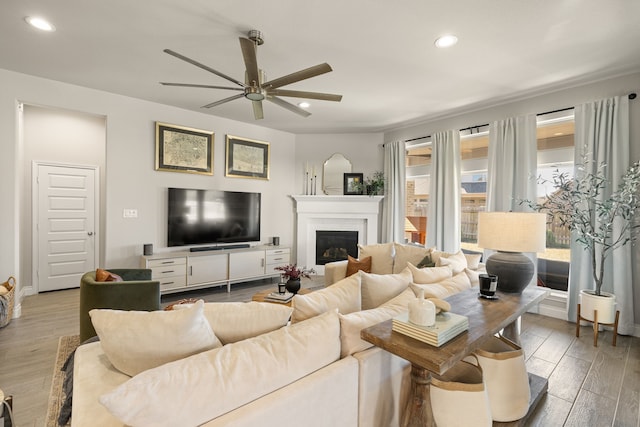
(65, 241)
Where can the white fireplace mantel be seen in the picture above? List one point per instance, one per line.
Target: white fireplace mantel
(334, 213)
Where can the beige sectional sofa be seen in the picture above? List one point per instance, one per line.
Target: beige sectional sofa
(246, 364)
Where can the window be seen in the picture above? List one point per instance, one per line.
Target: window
(418, 162)
(555, 153)
(474, 151)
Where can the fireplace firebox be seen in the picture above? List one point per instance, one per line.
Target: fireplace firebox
(335, 246)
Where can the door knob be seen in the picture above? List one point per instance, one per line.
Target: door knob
(90, 233)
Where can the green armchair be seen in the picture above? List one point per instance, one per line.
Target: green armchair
(136, 292)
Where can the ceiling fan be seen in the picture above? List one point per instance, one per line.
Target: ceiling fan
(254, 87)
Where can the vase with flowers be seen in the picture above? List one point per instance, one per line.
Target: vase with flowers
(292, 274)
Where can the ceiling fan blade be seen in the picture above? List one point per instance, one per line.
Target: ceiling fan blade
(200, 86)
(204, 67)
(303, 94)
(307, 73)
(288, 106)
(222, 101)
(250, 61)
(257, 110)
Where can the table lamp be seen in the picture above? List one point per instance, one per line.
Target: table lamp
(511, 234)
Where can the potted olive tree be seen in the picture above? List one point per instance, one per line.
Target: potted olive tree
(600, 224)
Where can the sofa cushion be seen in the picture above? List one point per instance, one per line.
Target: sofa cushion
(354, 265)
(381, 257)
(135, 341)
(405, 254)
(457, 262)
(236, 321)
(215, 382)
(343, 295)
(351, 324)
(429, 274)
(379, 288)
(457, 283)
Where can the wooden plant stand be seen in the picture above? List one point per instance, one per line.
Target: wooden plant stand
(596, 326)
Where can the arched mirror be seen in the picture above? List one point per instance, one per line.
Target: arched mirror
(333, 172)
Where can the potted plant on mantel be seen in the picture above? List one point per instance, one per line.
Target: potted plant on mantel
(292, 274)
(374, 186)
(577, 204)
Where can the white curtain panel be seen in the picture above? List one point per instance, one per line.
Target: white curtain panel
(393, 208)
(602, 132)
(512, 168)
(512, 163)
(443, 219)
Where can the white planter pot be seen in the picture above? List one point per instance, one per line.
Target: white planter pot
(605, 304)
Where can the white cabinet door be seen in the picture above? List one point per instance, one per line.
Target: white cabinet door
(246, 264)
(207, 269)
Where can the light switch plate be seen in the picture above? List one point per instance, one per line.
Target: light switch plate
(130, 213)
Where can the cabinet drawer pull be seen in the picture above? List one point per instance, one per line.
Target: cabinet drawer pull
(168, 262)
(278, 259)
(168, 283)
(168, 271)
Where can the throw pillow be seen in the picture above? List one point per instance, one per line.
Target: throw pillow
(381, 257)
(473, 260)
(343, 295)
(474, 277)
(212, 383)
(376, 289)
(354, 265)
(351, 324)
(427, 261)
(405, 254)
(429, 274)
(106, 276)
(431, 290)
(457, 262)
(135, 341)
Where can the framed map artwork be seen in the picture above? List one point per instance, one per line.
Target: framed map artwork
(183, 149)
(247, 158)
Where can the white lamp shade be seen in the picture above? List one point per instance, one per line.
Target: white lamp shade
(512, 231)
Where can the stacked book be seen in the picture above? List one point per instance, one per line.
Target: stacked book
(277, 297)
(447, 327)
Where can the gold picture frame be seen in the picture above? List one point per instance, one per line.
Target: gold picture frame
(247, 158)
(184, 149)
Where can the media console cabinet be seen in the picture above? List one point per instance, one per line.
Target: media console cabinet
(180, 271)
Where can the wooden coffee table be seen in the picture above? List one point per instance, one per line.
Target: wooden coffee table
(486, 318)
(260, 296)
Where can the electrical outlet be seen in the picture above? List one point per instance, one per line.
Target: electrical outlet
(130, 213)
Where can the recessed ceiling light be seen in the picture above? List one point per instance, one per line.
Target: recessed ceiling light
(446, 41)
(40, 23)
(304, 104)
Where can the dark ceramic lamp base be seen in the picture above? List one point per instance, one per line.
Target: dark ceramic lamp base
(514, 270)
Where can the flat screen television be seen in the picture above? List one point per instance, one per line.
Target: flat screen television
(197, 217)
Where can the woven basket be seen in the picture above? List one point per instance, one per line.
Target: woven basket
(7, 301)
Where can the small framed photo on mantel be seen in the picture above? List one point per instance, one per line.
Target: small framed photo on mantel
(183, 149)
(353, 184)
(247, 158)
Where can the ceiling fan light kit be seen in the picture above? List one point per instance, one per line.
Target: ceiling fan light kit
(254, 87)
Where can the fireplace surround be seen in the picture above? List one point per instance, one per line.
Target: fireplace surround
(359, 214)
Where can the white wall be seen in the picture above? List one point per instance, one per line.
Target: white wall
(131, 181)
(364, 150)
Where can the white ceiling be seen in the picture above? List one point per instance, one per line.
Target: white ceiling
(384, 62)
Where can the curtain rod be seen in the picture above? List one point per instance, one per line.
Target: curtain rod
(632, 95)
